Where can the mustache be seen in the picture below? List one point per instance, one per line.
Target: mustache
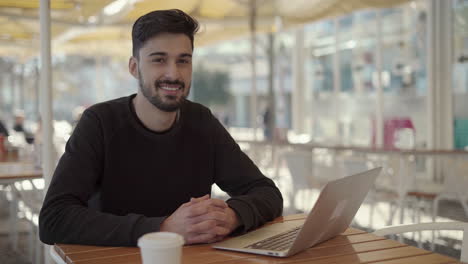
(159, 83)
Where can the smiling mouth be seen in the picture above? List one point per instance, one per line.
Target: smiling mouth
(170, 86)
(167, 88)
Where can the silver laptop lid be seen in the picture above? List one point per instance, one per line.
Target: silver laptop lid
(334, 210)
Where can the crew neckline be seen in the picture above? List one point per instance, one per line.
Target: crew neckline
(145, 130)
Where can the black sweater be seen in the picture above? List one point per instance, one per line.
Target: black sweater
(117, 180)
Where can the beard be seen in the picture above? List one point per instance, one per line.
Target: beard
(167, 103)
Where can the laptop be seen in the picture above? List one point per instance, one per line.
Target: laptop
(331, 215)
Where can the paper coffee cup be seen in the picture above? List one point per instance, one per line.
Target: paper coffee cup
(161, 247)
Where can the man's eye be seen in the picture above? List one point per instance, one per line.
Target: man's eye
(184, 61)
(158, 60)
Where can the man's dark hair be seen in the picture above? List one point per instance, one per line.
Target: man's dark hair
(162, 21)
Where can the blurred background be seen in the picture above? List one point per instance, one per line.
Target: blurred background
(346, 85)
(317, 64)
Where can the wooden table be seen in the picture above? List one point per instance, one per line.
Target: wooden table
(10, 156)
(353, 246)
(11, 172)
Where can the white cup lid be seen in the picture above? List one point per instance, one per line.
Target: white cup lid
(161, 240)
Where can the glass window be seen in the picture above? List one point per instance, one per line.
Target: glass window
(460, 73)
(404, 76)
(320, 48)
(356, 45)
(320, 40)
(355, 104)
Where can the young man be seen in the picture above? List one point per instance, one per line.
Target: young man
(146, 162)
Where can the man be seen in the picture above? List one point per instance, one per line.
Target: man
(18, 126)
(146, 162)
(3, 130)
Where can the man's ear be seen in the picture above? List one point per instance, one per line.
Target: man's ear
(133, 67)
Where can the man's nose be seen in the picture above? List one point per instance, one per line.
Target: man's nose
(172, 71)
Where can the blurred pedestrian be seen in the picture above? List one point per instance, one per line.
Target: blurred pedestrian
(267, 119)
(18, 126)
(3, 130)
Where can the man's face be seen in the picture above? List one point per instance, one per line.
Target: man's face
(164, 70)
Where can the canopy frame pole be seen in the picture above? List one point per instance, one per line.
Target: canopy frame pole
(253, 62)
(45, 92)
(45, 101)
(379, 123)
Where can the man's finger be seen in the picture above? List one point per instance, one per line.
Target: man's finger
(220, 217)
(199, 199)
(209, 205)
(216, 239)
(195, 200)
(215, 202)
(215, 234)
(202, 208)
(222, 231)
(207, 226)
(200, 238)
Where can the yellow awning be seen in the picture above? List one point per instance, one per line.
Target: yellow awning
(82, 26)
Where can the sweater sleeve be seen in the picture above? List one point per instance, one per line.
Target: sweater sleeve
(65, 216)
(254, 197)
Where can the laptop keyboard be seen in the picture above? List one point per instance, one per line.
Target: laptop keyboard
(279, 242)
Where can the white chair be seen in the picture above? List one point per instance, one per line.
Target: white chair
(55, 256)
(454, 187)
(352, 165)
(404, 189)
(300, 166)
(305, 177)
(429, 192)
(400, 229)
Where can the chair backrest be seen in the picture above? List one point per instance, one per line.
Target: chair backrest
(353, 166)
(398, 175)
(400, 229)
(456, 177)
(300, 167)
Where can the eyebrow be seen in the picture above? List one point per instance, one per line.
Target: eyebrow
(160, 53)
